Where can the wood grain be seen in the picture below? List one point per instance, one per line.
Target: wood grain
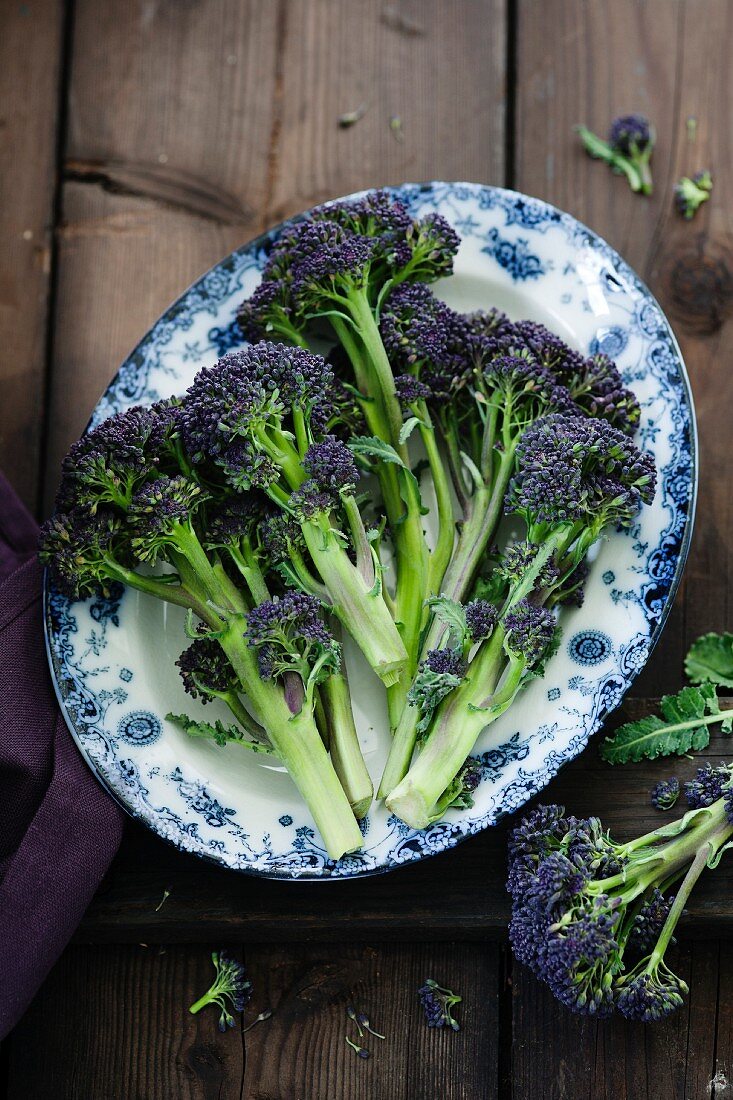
(669, 61)
(302, 1051)
(205, 901)
(113, 1024)
(31, 46)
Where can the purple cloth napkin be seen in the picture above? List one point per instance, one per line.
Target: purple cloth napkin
(58, 828)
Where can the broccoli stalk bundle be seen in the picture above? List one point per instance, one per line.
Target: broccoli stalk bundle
(256, 419)
(575, 478)
(593, 918)
(340, 264)
(485, 381)
(124, 505)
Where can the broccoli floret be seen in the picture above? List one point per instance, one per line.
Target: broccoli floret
(691, 193)
(582, 904)
(628, 150)
(231, 990)
(258, 415)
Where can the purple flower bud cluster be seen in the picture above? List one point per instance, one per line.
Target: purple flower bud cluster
(335, 250)
(437, 1003)
(331, 465)
(649, 922)
(425, 337)
(530, 385)
(445, 662)
(247, 390)
(630, 134)
(76, 544)
(311, 500)
(481, 617)
(593, 385)
(159, 507)
(665, 793)
(529, 631)
(410, 389)
(518, 557)
(229, 521)
(205, 669)
(280, 629)
(707, 786)
(575, 920)
(573, 467)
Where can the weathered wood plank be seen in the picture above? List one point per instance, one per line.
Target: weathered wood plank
(567, 1057)
(587, 62)
(31, 48)
(113, 1023)
(444, 83)
(205, 901)
(302, 1050)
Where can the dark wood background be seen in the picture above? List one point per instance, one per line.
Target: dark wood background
(140, 141)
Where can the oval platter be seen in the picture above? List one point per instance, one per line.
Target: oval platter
(112, 660)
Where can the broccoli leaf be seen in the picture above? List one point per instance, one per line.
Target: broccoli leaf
(711, 658)
(453, 615)
(408, 428)
(370, 446)
(218, 732)
(428, 690)
(683, 726)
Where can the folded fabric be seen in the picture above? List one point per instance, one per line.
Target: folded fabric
(59, 829)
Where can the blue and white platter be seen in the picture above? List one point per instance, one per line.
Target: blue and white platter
(113, 659)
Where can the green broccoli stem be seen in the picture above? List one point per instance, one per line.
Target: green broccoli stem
(404, 516)
(297, 742)
(491, 685)
(412, 588)
(459, 721)
(441, 553)
(473, 538)
(345, 750)
(366, 325)
(360, 608)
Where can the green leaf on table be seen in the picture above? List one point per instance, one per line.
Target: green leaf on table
(217, 731)
(682, 726)
(711, 658)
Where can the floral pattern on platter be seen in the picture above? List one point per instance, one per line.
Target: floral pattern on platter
(115, 677)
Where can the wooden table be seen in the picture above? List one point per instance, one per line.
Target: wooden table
(141, 140)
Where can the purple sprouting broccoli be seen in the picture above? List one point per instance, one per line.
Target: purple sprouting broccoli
(256, 416)
(290, 635)
(665, 793)
(155, 486)
(337, 266)
(627, 151)
(593, 919)
(575, 477)
(707, 786)
(529, 631)
(481, 618)
(691, 192)
(437, 1004)
(230, 991)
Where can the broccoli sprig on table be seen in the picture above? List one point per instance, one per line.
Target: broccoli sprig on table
(593, 918)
